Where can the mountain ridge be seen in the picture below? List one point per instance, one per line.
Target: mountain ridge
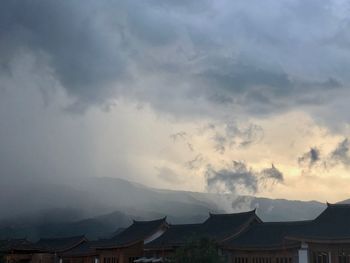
(103, 205)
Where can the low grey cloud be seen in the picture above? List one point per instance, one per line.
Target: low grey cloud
(315, 159)
(196, 163)
(239, 178)
(184, 137)
(178, 136)
(340, 155)
(168, 175)
(273, 174)
(310, 158)
(236, 135)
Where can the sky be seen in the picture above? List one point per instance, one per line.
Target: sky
(242, 97)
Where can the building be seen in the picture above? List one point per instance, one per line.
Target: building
(50, 249)
(240, 237)
(17, 250)
(218, 227)
(325, 239)
(125, 247)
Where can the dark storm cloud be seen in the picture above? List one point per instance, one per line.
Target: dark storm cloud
(310, 158)
(340, 155)
(233, 134)
(85, 58)
(272, 174)
(239, 178)
(313, 159)
(174, 53)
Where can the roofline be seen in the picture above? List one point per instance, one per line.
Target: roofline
(329, 205)
(161, 220)
(319, 240)
(337, 204)
(263, 248)
(161, 248)
(118, 246)
(149, 221)
(130, 243)
(60, 238)
(83, 239)
(78, 255)
(287, 222)
(228, 214)
(243, 228)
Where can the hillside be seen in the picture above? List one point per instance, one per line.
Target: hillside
(97, 207)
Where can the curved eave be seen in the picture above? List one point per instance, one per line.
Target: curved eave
(320, 240)
(162, 248)
(79, 255)
(242, 229)
(118, 246)
(264, 248)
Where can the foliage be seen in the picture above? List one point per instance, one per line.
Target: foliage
(201, 250)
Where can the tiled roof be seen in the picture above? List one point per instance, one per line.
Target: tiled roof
(138, 231)
(16, 244)
(217, 227)
(332, 225)
(60, 244)
(176, 235)
(84, 249)
(222, 226)
(267, 235)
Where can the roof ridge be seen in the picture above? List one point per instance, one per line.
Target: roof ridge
(190, 224)
(284, 222)
(233, 214)
(337, 204)
(60, 238)
(149, 221)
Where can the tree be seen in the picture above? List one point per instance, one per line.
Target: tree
(201, 250)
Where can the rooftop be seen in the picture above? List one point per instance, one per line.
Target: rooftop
(16, 244)
(223, 226)
(176, 235)
(217, 227)
(60, 244)
(332, 225)
(138, 231)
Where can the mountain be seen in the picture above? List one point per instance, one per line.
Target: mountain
(100, 206)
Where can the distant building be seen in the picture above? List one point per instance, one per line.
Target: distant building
(125, 247)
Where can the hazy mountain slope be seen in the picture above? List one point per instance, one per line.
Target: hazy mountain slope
(47, 208)
(98, 227)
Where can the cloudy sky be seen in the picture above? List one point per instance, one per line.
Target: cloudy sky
(244, 97)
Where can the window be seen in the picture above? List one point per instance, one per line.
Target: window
(320, 257)
(343, 257)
